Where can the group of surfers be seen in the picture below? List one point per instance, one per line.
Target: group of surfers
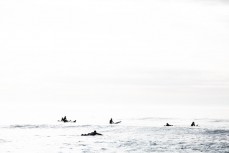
(193, 124)
(64, 119)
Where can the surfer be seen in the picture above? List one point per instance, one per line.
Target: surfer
(167, 124)
(112, 122)
(64, 119)
(91, 134)
(193, 124)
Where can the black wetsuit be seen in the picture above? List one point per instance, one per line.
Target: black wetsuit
(111, 121)
(91, 134)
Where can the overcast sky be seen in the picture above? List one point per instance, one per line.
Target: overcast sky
(113, 53)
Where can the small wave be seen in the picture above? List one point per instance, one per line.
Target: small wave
(220, 120)
(25, 126)
(218, 131)
(153, 118)
(44, 126)
(30, 126)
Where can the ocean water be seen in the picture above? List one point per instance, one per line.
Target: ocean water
(136, 135)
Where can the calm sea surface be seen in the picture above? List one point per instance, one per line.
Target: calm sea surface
(132, 135)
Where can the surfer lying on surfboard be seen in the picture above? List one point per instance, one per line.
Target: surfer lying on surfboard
(111, 121)
(91, 134)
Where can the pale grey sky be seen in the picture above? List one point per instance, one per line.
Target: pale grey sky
(113, 53)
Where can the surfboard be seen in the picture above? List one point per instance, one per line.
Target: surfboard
(118, 122)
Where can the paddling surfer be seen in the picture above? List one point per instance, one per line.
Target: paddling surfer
(91, 134)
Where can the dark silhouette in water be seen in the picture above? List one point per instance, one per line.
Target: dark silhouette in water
(91, 134)
(167, 124)
(193, 124)
(64, 119)
(111, 121)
